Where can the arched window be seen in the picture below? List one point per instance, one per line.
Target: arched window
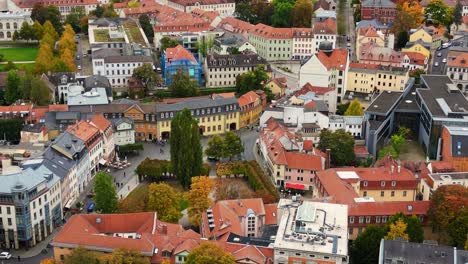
(15, 25)
(1, 25)
(8, 34)
(7, 25)
(2, 35)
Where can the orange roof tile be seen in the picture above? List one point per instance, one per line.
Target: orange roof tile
(248, 98)
(442, 166)
(358, 65)
(389, 208)
(460, 60)
(315, 89)
(416, 58)
(201, 2)
(338, 190)
(336, 60)
(328, 26)
(31, 3)
(298, 160)
(310, 104)
(101, 122)
(235, 25)
(179, 53)
(83, 130)
(16, 108)
(223, 95)
(308, 145)
(271, 214)
(249, 253)
(269, 32)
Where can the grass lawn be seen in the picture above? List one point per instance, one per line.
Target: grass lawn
(183, 204)
(25, 66)
(19, 54)
(133, 32)
(136, 201)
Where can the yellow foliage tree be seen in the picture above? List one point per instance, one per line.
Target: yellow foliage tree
(67, 57)
(44, 59)
(414, 9)
(166, 261)
(49, 29)
(209, 253)
(122, 255)
(163, 199)
(198, 198)
(48, 261)
(398, 229)
(67, 41)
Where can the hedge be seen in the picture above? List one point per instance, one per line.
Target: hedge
(255, 176)
(158, 169)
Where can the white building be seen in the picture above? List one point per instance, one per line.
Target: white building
(124, 131)
(441, 179)
(107, 133)
(65, 7)
(328, 68)
(326, 94)
(225, 8)
(227, 42)
(311, 232)
(350, 124)
(11, 21)
(222, 70)
(457, 69)
(116, 67)
(31, 206)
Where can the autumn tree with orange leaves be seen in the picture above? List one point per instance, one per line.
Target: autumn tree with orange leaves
(448, 213)
(409, 15)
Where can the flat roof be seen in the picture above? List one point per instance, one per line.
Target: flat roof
(384, 103)
(97, 96)
(325, 232)
(449, 176)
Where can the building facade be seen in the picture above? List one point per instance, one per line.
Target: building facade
(368, 78)
(124, 131)
(12, 21)
(381, 10)
(179, 59)
(250, 109)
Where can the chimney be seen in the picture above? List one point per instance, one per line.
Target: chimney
(399, 168)
(392, 168)
(327, 161)
(164, 230)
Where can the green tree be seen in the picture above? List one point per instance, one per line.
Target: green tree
(209, 253)
(40, 95)
(232, 145)
(104, 11)
(84, 24)
(204, 45)
(74, 18)
(26, 86)
(301, 14)
(123, 256)
(198, 198)
(146, 75)
(416, 74)
(12, 87)
(396, 230)
(10, 66)
(105, 193)
(282, 13)
(39, 13)
(26, 32)
(365, 248)
(246, 12)
(457, 13)
(165, 201)
(81, 255)
(457, 229)
(439, 12)
(182, 85)
(185, 147)
(354, 109)
(167, 42)
(402, 39)
(38, 30)
(252, 80)
(147, 27)
(55, 17)
(215, 147)
(413, 226)
(448, 205)
(341, 108)
(341, 145)
(10, 129)
(386, 150)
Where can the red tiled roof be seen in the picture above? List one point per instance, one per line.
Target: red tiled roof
(223, 95)
(315, 89)
(310, 104)
(235, 25)
(269, 32)
(31, 3)
(358, 65)
(16, 108)
(297, 160)
(388, 208)
(415, 58)
(465, 20)
(338, 190)
(368, 31)
(58, 107)
(179, 53)
(271, 214)
(248, 98)
(249, 253)
(328, 26)
(308, 145)
(83, 130)
(460, 60)
(337, 59)
(201, 2)
(101, 122)
(442, 166)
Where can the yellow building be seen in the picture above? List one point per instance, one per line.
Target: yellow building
(215, 115)
(144, 118)
(419, 47)
(251, 108)
(369, 78)
(278, 86)
(432, 36)
(371, 36)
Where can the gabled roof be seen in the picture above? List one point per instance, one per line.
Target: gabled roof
(179, 53)
(378, 3)
(461, 60)
(337, 59)
(328, 26)
(248, 98)
(100, 122)
(315, 89)
(249, 254)
(83, 130)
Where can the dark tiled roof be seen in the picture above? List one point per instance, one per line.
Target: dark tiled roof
(237, 60)
(197, 103)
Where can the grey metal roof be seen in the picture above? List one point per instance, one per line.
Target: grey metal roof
(384, 102)
(117, 121)
(197, 103)
(234, 60)
(68, 144)
(409, 252)
(353, 120)
(27, 179)
(56, 78)
(439, 99)
(374, 23)
(97, 81)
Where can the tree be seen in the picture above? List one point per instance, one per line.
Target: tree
(48, 261)
(124, 256)
(38, 30)
(209, 253)
(397, 140)
(341, 108)
(55, 17)
(10, 129)
(39, 13)
(185, 147)
(26, 32)
(12, 87)
(244, 11)
(413, 226)
(341, 145)
(354, 109)
(448, 205)
(402, 39)
(104, 11)
(458, 13)
(59, 65)
(146, 75)
(457, 229)
(105, 193)
(40, 95)
(439, 12)
(44, 59)
(167, 42)
(10, 66)
(198, 197)
(182, 85)
(416, 74)
(67, 41)
(281, 13)
(84, 24)
(165, 201)
(147, 27)
(301, 14)
(232, 145)
(365, 248)
(397, 229)
(48, 29)
(204, 46)
(74, 19)
(80, 255)
(252, 80)
(215, 147)
(68, 59)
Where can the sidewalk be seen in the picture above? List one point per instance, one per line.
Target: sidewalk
(37, 249)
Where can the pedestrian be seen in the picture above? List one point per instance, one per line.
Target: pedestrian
(19, 258)
(124, 174)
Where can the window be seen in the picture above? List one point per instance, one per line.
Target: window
(392, 193)
(9, 221)
(364, 194)
(251, 225)
(377, 219)
(404, 193)
(365, 183)
(368, 218)
(382, 194)
(393, 183)
(384, 219)
(166, 254)
(8, 210)
(361, 219)
(382, 183)
(351, 219)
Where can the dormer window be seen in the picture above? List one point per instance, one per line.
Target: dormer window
(64, 79)
(365, 184)
(382, 183)
(393, 183)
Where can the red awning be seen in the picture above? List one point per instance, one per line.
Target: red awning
(297, 186)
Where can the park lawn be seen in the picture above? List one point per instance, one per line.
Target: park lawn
(24, 66)
(19, 54)
(136, 201)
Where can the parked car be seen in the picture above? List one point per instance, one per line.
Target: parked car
(444, 60)
(79, 67)
(436, 64)
(90, 208)
(439, 54)
(5, 255)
